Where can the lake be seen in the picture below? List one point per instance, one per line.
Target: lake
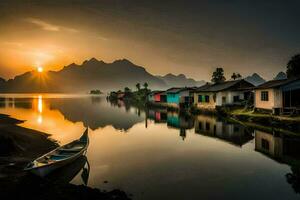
(157, 154)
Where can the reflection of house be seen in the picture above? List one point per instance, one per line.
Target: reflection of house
(283, 148)
(222, 94)
(278, 95)
(211, 126)
(175, 120)
(179, 97)
(159, 116)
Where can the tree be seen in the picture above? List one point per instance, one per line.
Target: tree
(138, 86)
(218, 75)
(146, 85)
(293, 67)
(127, 90)
(235, 76)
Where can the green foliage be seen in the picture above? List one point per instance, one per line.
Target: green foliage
(138, 86)
(146, 85)
(235, 76)
(293, 67)
(218, 75)
(127, 90)
(95, 92)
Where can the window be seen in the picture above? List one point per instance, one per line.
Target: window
(199, 98)
(265, 144)
(207, 126)
(207, 99)
(264, 96)
(236, 98)
(223, 100)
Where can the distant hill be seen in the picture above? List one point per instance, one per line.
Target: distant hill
(280, 76)
(180, 81)
(255, 79)
(91, 74)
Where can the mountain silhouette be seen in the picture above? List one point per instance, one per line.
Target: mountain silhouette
(280, 76)
(255, 79)
(91, 74)
(180, 81)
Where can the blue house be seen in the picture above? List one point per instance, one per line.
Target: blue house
(179, 96)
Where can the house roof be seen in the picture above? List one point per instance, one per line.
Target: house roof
(177, 90)
(227, 85)
(156, 92)
(276, 83)
(203, 87)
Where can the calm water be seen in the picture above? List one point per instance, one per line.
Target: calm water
(157, 154)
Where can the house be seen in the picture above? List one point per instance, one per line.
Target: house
(278, 96)
(179, 97)
(157, 97)
(222, 94)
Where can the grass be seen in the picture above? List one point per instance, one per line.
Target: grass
(251, 113)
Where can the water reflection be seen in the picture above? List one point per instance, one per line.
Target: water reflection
(131, 144)
(284, 149)
(67, 173)
(233, 133)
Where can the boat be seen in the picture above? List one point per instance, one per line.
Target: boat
(59, 157)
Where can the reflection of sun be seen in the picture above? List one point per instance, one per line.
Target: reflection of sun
(40, 69)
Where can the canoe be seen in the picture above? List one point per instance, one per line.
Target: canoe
(59, 157)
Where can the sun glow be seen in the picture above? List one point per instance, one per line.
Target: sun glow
(40, 69)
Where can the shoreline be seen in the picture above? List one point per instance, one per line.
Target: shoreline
(18, 146)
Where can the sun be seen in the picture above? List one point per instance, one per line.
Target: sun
(40, 69)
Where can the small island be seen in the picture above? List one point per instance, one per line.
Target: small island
(96, 92)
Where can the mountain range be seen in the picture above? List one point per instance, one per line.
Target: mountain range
(255, 79)
(92, 74)
(180, 81)
(280, 76)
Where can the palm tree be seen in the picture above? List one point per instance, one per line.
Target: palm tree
(127, 90)
(138, 86)
(146, 85)
(233, 76)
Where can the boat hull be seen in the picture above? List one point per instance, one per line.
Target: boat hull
(45, 170)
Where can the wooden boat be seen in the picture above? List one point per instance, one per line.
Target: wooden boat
(59, 157)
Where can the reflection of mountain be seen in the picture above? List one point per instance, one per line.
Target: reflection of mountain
(97, 113)
(233, 133)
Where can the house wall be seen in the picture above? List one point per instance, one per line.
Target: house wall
(157, 98)
(173, 98)
(204, 105)
(229, 95)
(275, 99)
(151, 97)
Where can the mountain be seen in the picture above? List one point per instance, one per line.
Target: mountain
(255, 79)
(180, 81)
(91, 74)
(280, 76)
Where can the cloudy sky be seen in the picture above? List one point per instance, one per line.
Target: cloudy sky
(169, 36)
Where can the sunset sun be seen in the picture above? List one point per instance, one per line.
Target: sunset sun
(40, 69)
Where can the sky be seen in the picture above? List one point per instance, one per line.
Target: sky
(169, 36)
